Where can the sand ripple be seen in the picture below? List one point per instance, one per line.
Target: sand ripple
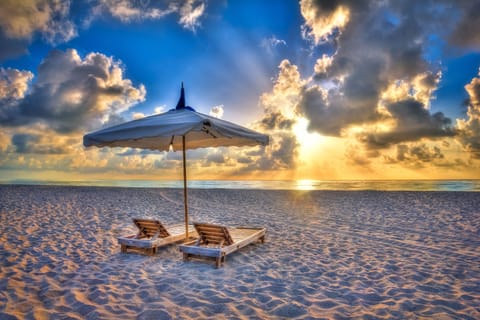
(328, 255)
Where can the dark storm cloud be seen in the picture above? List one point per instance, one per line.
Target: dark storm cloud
(418, 152)
(382, 43)
(23, 142)
(285, 151)
(421, 155)
(329, 112)
(32, 144)
(276, 120)
(413, 122)
(466, 33)
(281, 154)
(425, 154)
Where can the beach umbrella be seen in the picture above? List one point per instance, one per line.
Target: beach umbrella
(180, 128)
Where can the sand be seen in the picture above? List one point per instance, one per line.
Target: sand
(327, 255)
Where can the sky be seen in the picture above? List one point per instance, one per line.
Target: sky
(346, 90)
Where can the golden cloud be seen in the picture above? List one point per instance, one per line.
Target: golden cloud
(470, 127)
(21, 19)
(14, 83)
(321, 21)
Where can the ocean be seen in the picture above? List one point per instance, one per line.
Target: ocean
(345, 185)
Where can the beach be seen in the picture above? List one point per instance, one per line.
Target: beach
(327, 255)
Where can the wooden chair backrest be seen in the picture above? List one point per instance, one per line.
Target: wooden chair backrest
(215, 234)
(149, 228)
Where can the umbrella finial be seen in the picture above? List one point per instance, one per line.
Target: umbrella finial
(181, 101)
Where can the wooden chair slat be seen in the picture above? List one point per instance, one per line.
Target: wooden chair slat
(214, 233)
(151, 228)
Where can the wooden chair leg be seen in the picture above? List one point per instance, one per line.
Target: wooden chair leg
(219, 261)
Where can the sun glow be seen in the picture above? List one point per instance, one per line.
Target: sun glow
(307, 140)
(311, 152)
(305, 184)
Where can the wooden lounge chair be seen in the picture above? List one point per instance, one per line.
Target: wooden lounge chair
(217, 241)
(152, 234)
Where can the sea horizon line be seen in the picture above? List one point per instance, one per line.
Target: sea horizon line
(303, 184)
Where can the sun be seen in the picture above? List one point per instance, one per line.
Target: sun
(308, 141)
(310, 147)
(319, 157)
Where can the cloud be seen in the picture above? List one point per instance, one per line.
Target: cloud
(128, 10)
(189, 11)
(374, 90)
(22, 19)
(378, 80)
(215, 158)
(138, 115)
(53, 20)
(69, 93)
(322, 65)
(271, 43)
(37, 144)
(420, 152)
(5, 141)
(278, 121)
(23, 143)
(136, 152)
(13, 83)
(470, 128)
(285, 92)
(466, 32)
(217, 111)
(356, 156)
(159, 109)
(412, 123)
(420, 155)
(329, 112)
(323, 18)
(281, 154)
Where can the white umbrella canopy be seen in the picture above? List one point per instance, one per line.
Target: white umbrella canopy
(180, 128)
(159, 132)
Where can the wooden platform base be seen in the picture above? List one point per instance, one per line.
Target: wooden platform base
(241, 237)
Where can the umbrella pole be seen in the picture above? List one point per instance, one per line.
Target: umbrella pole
(185, 187)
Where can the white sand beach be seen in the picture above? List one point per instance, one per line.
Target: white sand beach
(327, 255)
